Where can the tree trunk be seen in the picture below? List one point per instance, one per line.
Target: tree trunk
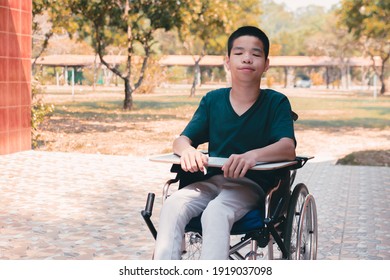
(382, 76)
(43, 47)
(327, 76)
(196, 77)
(383, 87)
(128, 102)
(285, 76)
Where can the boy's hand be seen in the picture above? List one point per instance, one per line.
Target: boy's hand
(237, 165)
(193, 160)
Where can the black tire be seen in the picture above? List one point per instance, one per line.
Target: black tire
(308, 233)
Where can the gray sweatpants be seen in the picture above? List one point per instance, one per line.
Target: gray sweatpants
(222, 200)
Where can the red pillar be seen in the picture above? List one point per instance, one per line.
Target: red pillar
(15, 75)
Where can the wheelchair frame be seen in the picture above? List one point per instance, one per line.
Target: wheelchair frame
(289, 232)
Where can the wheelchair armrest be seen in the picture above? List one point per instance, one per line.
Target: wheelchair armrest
(301, 161)
(176, 168)
(168, 184)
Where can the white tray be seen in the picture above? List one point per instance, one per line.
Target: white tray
(218, 162)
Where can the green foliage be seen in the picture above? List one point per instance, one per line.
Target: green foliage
(291, 33)
(124, 23)
(50, 17)
(366, 17)
(275, 19)
(129, 25)
(39, 110)
(332, 40)
(368, 21)
(146, 27)
(209, 23)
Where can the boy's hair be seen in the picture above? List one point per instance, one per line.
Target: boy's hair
(249, 31)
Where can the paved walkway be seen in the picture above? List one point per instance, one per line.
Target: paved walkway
(83, 206)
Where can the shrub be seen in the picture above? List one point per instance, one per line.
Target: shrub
(39, 110)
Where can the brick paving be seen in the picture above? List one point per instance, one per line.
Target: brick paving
(87, 206)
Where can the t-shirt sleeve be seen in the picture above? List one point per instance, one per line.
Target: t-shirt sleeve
(198, 128)
(283, 124)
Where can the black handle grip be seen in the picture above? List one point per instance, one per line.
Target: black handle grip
(149, 204)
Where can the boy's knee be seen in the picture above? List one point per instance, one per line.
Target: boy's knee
(216, 212)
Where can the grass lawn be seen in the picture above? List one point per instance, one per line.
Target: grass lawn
(348, 112)
(89, 120)
(315, 112)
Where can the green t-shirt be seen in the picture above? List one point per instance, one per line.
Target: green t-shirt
(268, 120)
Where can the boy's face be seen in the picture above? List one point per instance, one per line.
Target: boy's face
(247, 60)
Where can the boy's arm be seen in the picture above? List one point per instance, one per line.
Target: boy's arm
(190, 159)
(237, 165)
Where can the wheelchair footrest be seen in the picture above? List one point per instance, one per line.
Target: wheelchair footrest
(261, 236)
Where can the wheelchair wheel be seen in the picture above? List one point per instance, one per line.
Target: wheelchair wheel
(307, 239)
(192, 246)
(300, 237)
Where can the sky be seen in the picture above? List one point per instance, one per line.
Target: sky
(294, 4)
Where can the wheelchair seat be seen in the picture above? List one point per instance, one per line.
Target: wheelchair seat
(252, 221)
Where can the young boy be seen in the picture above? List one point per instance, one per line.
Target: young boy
(243, 123)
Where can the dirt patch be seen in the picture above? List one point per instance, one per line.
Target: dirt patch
(369, 158)
(154, 137)
(334, 144)
(115, 138)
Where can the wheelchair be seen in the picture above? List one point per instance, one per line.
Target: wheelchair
(285, 227)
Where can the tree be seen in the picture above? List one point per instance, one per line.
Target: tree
(289, 31)
(334, 41)
(207, 25)
(368, 21)
(58, 18)
(129, 24)
(278, 23)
